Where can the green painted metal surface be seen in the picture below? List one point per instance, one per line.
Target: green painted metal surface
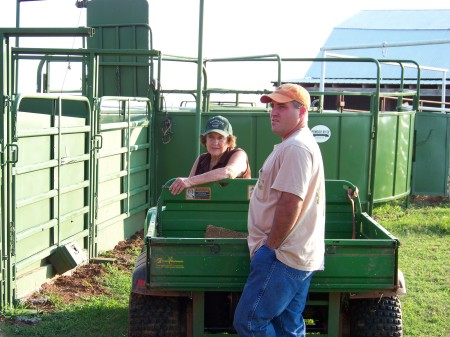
(121, 25)
(346, 151)
(50, 180)
(432, 145)
(122, 168)
(394, 155)
(182, 259)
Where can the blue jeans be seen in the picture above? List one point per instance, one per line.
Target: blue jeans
(273, 299)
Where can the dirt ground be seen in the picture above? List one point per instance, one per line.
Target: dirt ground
(429, 200)
(83, 281)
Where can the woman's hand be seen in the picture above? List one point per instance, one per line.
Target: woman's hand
(179, 185)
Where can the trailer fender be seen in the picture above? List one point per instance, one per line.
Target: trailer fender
(138, 281)
(401, 286)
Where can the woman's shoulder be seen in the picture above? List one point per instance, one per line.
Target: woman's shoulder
(237, 149)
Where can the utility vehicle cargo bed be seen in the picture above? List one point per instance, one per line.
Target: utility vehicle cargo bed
(182, 259)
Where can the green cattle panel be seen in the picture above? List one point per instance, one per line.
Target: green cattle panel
(50, 180)
(393, 155)
(123, 169)
(121, 25)
(432, 145)
(175, 150)
(405, 142)
(346, 150)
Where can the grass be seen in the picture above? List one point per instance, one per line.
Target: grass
(97, 316)
(424, 260)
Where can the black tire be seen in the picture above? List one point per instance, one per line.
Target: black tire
(152, 316)
(376, 317)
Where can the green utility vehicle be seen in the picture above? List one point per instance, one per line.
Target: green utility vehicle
(188, 279)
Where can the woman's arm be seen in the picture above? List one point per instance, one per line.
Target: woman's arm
(194, 167)
(237, 164)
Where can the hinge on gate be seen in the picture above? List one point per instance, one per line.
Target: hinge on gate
(12, 238)
(7, 100)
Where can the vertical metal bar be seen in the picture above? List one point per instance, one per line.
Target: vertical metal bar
(8, 181)
(6, 267)
(3, 124)
(58, 213)
(334, 304)
(53, 176)
(17, 44)
(443, 91)
(136, 59)
(375, 120)
(398, 119)
(198, 116)
(402, 86)
(92, 76)
(322, 82)
(198, 313)
(93, 185)
(154, 106)
(128, 161)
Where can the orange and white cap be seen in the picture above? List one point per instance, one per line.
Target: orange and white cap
(288, 92)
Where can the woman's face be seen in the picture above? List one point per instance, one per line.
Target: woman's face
(216, 144)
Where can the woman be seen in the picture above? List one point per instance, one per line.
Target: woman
(222, 159)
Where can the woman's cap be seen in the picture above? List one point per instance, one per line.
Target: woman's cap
(288, 92)
(220, 125)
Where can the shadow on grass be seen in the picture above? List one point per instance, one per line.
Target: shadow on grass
(91, 320)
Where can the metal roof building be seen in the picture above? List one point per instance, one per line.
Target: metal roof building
(419, 35)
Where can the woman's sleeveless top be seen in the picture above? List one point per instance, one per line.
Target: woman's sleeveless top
(205, 160)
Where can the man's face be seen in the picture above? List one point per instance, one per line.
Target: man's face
(284, 117)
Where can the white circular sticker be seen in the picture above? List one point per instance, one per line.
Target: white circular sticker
(321, 133)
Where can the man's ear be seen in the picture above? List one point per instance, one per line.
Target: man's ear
(302, 109)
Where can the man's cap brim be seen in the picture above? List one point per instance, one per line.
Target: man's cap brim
(275, 97)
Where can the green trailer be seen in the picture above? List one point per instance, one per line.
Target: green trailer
(195, 263)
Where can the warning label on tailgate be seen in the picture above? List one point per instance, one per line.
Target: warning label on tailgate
(198, 193)
(169, 263)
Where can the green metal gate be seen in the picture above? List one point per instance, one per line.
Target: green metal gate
(432, 145)
(122, 166)
(49, 183)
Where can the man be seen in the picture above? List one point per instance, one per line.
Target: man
(286, 223)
